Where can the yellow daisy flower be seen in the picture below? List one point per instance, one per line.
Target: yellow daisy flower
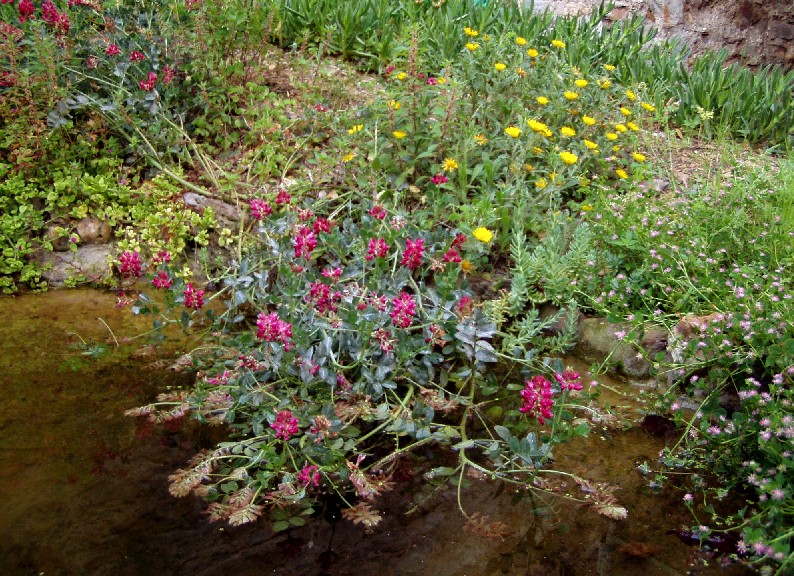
(542, 100)
(625, 111)
(356, 128)
(532, 53)
(568, 131)
(605, 84)
(521, 41)
(449, 165)
(639, 157)
(582, 83)
(632, 126)
(513, 131)
(591, 145)
(394, 105)
(558, 43)
(569, 158)
(631, 95)
(612, 136)
(500, 66)
(609, 67)
(472, 46)
(620, 128)
(480, 140)
(621, 173)
(348, 157)
(570, 95)
(648, 107)
(482, 234)
(399, 134)
(588, 120)
(540, 183)
(471, 32)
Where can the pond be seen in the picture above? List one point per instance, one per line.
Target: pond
(85, 491)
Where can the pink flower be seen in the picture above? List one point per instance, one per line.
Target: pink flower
(377, 248)
(161, 281)
(168, 74)
(283, 197)
(148, 84)
(403, 310)
(322, 225)
(412, 257)
(26, 10)
(569, 380)
(136, 56)
(309, 475)
(91, 62)
(162, 256)
(452, 256)
(432, 81)
(324, 300)
(112, 50)
(285, 425)
(460, 240)
(332, 273)
(439, 179)
(130, 264)
(194, 299)
(259, 208)
(389, 70)
(305, 242)
(271, 328)
(49, 13)
(537, 401)
(377, 211)
(465, 306)
(321, 108)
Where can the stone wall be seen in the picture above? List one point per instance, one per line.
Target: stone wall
(756, 32)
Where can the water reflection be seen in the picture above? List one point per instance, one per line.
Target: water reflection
(85, 495)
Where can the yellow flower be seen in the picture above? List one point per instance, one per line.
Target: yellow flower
(521, 41)
(606, 84)
(480, 140)
(639, 157)
(348, 157)
(465, 266)
(625, 111)
(482, 234)
(609, 67)
(648, 107)
(500, 66)
(568, 131)
(621, 173)
(513, 167)
(356, 128)
(612, 136)
(472, 46)
(401, 76)
(558, 43)
(471, 32)
(449, 165)
(541, 183)
(616, 148)
(620, 127)
(631, 95)
(537, 126)
(521, 72)
(529, 167)
(569, 158)
(513, 131)
(537, 150)
(542, 100)
(581, 83)
(590, 144)
(570, 95)
(632, 126)
(394, 105)
(486, 37)
(399, 134)
(532, 53)
(588, 120)
(441, 80)
(586, 207)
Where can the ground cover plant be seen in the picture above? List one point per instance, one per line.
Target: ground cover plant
(381, 290)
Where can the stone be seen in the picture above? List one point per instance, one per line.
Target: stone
(597, 341)
(89, 261)
(223, 210)
(58, 235)
(93, 231)
(781, 31)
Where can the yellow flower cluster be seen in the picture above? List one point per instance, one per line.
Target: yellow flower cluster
(539, 127)
(569, 158)
(513, 131)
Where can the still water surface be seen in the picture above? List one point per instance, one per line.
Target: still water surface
(83, 494)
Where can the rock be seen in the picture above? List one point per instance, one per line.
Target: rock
(93, 231)
(222, 209)
(598, 341)
(58, 235)
(89, 261)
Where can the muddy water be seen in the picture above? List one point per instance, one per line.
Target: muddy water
(83, 494)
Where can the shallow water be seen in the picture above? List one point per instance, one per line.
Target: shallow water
(84, 495)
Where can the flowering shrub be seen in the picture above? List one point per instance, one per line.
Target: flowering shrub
(347, 355)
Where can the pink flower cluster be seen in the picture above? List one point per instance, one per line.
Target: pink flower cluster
(309, 475)
(403, 310)
(271, 328)
(136, 56)
(57, 20)
(26, 10)
(286, 425)
(259, 208)
(439, 179)
(148, 84)
(305, 242)
(414, 250)
(112, 50)
(283, 197)
(161, 281)
(537, 401)
(324, 300)
(168, 74)
(130, 264)
(194, 299)
(569, 380)
(377, 211)
(377, 248)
